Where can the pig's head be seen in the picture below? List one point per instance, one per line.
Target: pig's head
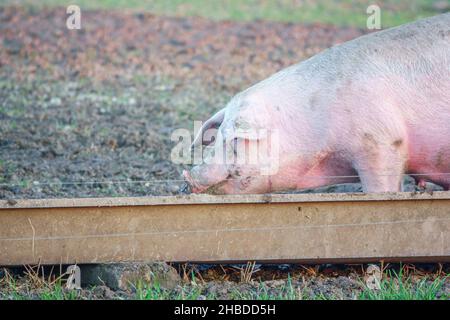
(240, 150)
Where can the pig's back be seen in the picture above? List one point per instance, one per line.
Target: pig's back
(407, 65)
(408, 69)
(411, 65)
(421, 35)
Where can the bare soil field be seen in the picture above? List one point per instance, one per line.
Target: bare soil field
(90, 112)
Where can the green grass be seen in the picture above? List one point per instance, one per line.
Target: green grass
(338, 12)
(155, 292)
(285, 292)
(398, 287)
(194, 292)
(13, 290)
(393, 287)
(57, 292)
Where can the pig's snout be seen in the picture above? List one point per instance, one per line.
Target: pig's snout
(206, 178)
(191, 184)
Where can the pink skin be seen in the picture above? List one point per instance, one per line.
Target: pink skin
(375, 108)
(205, 177)
(195, 186)
(328, 171)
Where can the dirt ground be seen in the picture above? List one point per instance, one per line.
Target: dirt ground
(90, 112)
(229, 282)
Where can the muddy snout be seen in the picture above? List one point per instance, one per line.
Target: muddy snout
(201, 178)
(190, 185)
(185, 188)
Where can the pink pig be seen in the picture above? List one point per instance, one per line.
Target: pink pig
(373, 108)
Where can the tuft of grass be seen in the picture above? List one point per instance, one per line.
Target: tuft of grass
(154, 291)
(58, 292)
(285, 292)
(247, 272)
(34, 285)
(191, 291)
(151, 292)
(395, 286)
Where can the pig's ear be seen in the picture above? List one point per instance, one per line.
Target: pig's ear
(214, 122)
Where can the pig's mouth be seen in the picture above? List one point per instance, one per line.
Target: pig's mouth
(193, 186)
(215, 189)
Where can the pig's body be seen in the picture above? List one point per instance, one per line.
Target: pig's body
(376, 107)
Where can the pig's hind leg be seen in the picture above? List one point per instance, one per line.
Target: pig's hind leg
(381, 167)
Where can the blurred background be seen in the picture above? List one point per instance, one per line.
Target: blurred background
(90, 112)
(336, 12)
